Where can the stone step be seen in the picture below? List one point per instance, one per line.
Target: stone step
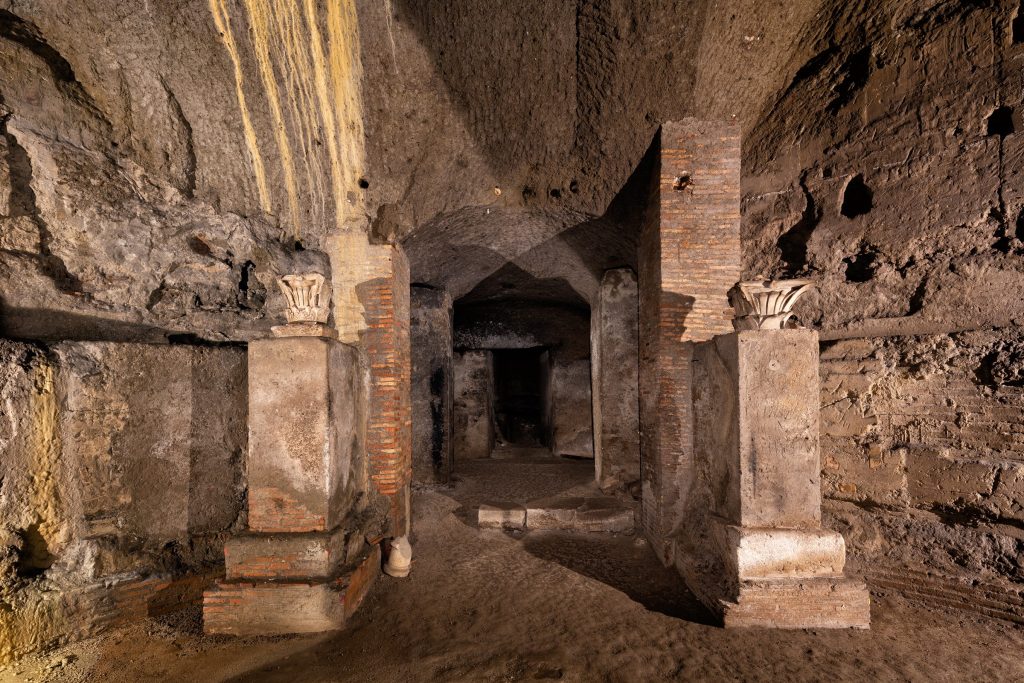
(573, 513)
(252, 607)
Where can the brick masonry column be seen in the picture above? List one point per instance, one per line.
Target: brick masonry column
(371, 310)
(689, 257)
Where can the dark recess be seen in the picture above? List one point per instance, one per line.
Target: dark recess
(793, 242)
(1017, 27)
(860, 268)
(519, 400)
(34, 558)
(858, 199)
(1000, 122)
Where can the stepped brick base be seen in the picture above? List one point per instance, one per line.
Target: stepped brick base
(244, 607)
(799, 603)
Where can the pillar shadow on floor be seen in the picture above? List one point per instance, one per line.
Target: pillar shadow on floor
(625, 563)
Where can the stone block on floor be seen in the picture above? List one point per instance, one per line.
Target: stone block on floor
(597, 513)
(501, 515)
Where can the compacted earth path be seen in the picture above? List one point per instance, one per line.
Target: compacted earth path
(491, 605)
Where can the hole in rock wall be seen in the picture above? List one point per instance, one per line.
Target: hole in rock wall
(1019, 228)
(1017, 26)
(860, 268)
(34, 558)
(858, 199)
(1000, 122)
(519, 396)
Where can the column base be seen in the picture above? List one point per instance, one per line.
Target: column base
(822, 602)
(248, 607)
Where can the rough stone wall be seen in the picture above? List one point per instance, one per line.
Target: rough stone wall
(689, 257)
(901, 195)
(473, 414)
(432, 384)
(614, 339)
(122, 464)
(926, 431)
(571, 411)
(155, 175)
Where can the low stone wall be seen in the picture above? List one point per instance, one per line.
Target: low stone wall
(122, 464)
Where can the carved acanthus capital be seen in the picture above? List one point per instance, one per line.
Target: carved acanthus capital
(308, 297)
(766, 304)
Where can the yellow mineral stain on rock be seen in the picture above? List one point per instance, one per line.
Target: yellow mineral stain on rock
(45, 445)
(310, 72)
(260, 21)
(223, 24)
(347, 74)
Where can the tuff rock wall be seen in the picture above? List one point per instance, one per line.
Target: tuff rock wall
(122, 475)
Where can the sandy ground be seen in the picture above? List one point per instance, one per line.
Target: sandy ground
(484, 605)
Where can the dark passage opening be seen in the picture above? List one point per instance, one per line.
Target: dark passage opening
(519, 396)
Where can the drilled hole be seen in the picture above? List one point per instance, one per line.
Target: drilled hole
(681, 182)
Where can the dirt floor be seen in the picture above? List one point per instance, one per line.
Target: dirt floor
(484, 605)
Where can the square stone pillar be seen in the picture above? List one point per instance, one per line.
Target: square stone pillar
(298, 569)
(432, 384)
(764, 559)
(614, 375)
(689, 257)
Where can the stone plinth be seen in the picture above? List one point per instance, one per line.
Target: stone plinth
(249, 608)
(298, 569)
(301, 432)
(756, 552)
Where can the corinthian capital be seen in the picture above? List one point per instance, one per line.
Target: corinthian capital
(765, 305)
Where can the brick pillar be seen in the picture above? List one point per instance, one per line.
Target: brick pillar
(371, 309)
(689, 257)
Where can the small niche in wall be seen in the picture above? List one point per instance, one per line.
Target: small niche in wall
(858, 199)
(861, 268)
(1017, 26)
(1000, 122)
